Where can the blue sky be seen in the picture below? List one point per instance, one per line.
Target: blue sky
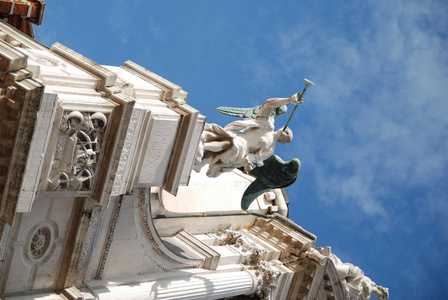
(372, 134)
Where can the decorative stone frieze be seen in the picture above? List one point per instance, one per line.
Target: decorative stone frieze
(109, 238)
(124, 177)
(284, 235)
(87, 244)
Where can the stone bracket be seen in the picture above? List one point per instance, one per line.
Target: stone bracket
(10, 59)
(211, 257)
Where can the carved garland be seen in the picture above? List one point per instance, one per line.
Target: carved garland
(77, 151)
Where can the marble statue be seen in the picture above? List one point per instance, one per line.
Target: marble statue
(243, 143)
(355, 283)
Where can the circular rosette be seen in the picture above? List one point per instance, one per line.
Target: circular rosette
(40, 242)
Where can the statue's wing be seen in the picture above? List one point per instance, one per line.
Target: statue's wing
(232, 111)
(254, 190)
(275, 173)
(250, 113)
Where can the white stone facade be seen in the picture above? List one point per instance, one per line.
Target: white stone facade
(98, 201)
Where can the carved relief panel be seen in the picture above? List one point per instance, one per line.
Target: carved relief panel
(78, 148)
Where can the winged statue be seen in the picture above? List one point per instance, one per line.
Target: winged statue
(249, 145)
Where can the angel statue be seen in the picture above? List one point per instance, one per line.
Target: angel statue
(244, 143)
(249, 145)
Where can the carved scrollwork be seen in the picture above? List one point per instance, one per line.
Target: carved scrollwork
(46, 61)
(77, 151)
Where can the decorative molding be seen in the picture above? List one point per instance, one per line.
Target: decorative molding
(109, 238)
(211, 257)
(182, 147)
(10, 59)
(192, 152)
(284, 235)
(78, 148)
(46, 60)
(125, 163)
(157, 147)
(95, 218)
(152, 243)
(106, 77)
(170, 90)
(10, 34)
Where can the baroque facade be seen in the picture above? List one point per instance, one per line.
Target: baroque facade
(98, 201)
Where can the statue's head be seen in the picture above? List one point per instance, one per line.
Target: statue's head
(285, 136)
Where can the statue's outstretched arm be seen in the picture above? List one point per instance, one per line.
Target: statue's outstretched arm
(272, 103)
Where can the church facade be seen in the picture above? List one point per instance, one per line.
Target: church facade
(98, 199)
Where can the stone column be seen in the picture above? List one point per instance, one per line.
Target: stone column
(207, 286)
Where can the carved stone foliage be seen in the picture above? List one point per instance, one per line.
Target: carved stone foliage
(260, 269)
(239, 241)
(78, 148)
(265, 277)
